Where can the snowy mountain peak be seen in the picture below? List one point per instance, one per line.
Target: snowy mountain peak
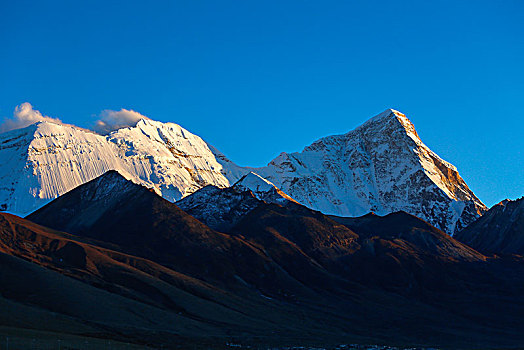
(47, 127)
(388, 113)
(396, 120)
(145, 121)
(380, 166)
(45, 160)
(397, 113)
(149, 124)
(262, 189)
(254, 182)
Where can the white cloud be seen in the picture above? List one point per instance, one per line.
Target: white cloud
(24, 115)
(114, 120)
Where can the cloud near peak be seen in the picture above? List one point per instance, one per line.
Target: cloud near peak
(24, 115)
(108, 121)
(114, 120)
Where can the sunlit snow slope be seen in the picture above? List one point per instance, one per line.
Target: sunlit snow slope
(45, 160)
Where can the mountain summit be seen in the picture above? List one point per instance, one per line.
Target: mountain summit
(381, 166)
(45, 160)
(262, 189)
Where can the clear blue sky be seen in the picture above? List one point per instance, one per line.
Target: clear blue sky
(255, 78)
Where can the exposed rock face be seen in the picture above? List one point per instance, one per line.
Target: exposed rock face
(219, 208)
(222, 208)
(499, 231)
(381, 166)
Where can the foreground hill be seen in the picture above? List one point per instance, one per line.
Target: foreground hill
(381, 166)
(136, 220)
(399, 252)
(295, 275)
(53, 281)
(499, 231)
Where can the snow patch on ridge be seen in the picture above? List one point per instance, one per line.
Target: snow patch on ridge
(262, 189)
(255, 183)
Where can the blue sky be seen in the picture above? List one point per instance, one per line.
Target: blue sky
(256, 78)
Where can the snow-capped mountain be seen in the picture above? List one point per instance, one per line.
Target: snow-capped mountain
(45, 160)
(262, 189)
(382, 166)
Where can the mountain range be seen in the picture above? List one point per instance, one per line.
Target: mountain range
(149, 235)
(250, 265)
(382, 167)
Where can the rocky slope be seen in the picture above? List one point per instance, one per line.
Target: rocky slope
(329, 240)
(499, 231)
(222, 208)
(115, 210)
(68, 284)
(382, 166)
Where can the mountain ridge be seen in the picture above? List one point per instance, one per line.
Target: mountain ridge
(353, 275)
(380, 166)
(48, 159)
(499, 231)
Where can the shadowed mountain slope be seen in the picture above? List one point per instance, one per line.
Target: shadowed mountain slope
(293, 273)
(54, 281)
(499, 231)
(397, 253)
(117, 273)
(114, 210)
(416, 234)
